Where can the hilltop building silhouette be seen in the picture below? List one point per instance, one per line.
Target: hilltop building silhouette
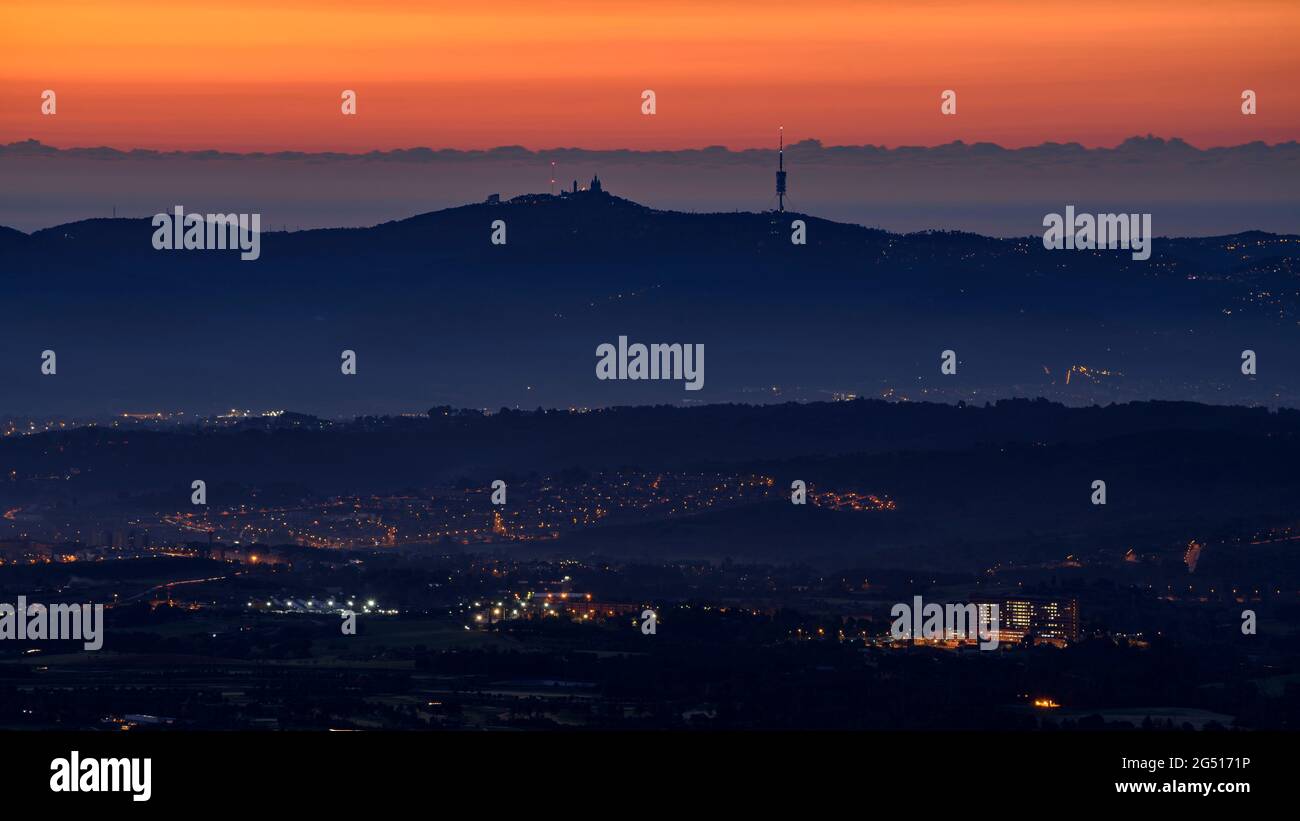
(591, 193)
(594, 187)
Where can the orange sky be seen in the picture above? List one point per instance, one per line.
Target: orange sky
(267, 74)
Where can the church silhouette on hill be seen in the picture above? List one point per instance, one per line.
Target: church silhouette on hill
(594, 187)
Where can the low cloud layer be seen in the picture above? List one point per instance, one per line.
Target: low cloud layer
(978, 187)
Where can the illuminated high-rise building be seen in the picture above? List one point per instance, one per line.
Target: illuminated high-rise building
(1041, 620)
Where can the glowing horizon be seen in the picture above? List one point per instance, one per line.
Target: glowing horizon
(248, 76)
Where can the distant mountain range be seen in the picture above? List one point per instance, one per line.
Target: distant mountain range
(979, 187)
(439, 315)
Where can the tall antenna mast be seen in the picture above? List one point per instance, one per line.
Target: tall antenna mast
(552, 178)
(780, 173)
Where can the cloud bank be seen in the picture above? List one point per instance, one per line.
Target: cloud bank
(979, 187)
